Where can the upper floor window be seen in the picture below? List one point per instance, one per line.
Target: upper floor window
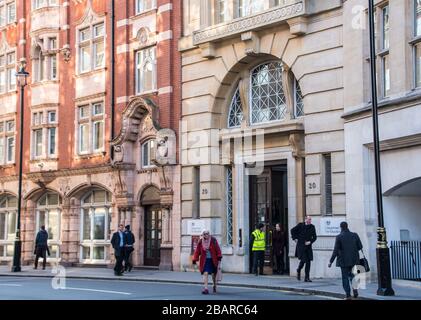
(44, 3)
(249, 7)
(7, 72)
(235, 113)
(148, 148)
(7, 142)
(8, 223)
(384, 54)
(144, 5)
(146, 70)
(271, 93)
(7, 12)
(416, 42)
(221, 10)
(268, 102)
(44, 134)
(45, 60)
(91, 128)
(385, 27)
(91, 48)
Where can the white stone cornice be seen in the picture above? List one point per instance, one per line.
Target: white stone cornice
(166, 35)
(165, 90)
(164, 8)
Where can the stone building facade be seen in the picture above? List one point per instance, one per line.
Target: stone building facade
(262, 133)
(81, 179)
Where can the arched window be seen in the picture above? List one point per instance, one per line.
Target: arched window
(48, 214)
(8, 223)
(268, 102)
(95, 226)
(235, 114)
(298, 100)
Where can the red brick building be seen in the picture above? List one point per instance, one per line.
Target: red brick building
(100, 133)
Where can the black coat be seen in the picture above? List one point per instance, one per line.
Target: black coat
(303, 233)
(115, 242)
(130, 239)
(347, 247)
(278, 242)
(41, 243)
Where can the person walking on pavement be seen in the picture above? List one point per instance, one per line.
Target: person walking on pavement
(41, 247)
(304, 234)
(258, 248)
(209, 253)
(346, 253)
(118, 241)
(278, 243)
(128, 249)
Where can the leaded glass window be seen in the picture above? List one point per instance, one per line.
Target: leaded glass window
(235, 114)
(268, 102)
(298, 101)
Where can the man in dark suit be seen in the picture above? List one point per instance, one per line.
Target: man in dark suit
(41, 247)
(304, 234)
(346, 252)
(118, 241)
(128, 249)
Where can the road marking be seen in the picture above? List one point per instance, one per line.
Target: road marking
(96, 290)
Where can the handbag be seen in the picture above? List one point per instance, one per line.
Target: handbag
(364, 262)
(219, 272)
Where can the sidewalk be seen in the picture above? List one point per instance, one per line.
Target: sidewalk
(404, 290)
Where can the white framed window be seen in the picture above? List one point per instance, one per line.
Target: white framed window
(384, 53)
(229, 205)
(37, 4)
(95, 224)
(145, 5)
(298, 100)
(44, 134)
(327, 182)
(7, 142)
(7, 12)
(416, 43)
(249, 7)
(8, 225)
(45, 62)
(91, 47)
(91, 128)
(48, 214)
(235, 113)
(148, 149)
(53, 68)
(267, 97)
(221, 10)
(7, 72)
(146, 70)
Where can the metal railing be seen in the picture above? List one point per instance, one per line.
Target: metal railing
(406, 260)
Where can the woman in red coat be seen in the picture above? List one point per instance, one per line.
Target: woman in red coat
(210, 254)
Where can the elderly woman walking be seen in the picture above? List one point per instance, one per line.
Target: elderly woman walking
(210, 255)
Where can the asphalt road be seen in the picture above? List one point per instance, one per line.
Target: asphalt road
(23, 288)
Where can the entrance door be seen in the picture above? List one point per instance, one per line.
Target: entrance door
(269, 205)
(153, 228)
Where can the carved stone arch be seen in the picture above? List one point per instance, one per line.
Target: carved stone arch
(142, 190)
(8, 192)
(145, 37)
(150, 195)
(37, 193)
(79, 190)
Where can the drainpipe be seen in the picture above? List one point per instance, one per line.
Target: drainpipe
(112, 77)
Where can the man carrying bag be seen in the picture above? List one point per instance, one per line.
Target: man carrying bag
(346, 253)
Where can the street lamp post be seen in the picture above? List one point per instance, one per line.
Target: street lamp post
(382, 251)
(21, 79)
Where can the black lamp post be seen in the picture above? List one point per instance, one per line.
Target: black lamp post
(382, 251)
(21, 80)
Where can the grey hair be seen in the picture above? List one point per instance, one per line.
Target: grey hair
(205, 231)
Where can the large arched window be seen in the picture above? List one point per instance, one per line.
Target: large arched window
(268, 102)
(95, 226)
(298, 100)
(48, 214)
(8, 221)
(235, 113)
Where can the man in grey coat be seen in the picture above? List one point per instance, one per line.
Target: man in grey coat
(346, 253)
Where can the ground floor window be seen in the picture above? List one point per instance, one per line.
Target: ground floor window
(95, 227)
(8, 223)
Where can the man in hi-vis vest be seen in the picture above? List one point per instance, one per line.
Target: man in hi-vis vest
(259, 245)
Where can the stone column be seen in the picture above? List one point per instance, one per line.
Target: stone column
(65, 231)
(72, 238)
(28, 232)
(166, 244)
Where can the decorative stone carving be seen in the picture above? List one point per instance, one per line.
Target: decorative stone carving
(165, 147)
(65, 51)
(64, 185)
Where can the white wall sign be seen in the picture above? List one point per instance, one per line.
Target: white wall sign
(195, 226)
(330, 226)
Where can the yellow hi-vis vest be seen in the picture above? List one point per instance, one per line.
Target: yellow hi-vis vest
(259, 240)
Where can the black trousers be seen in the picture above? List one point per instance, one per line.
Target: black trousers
(127, 253)
(280, 265)
(307, 268)
(258, 259)
(347, 277)
(118, 268)
(41, 254)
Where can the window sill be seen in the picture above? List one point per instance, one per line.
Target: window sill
(153, 92)
(9, 93)
(43, 82)
(44, 9)
(7, 166)
(146, 170)
(7, 25)
(90, 73)
(90, 156)
(37, 160)
(144, 13)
